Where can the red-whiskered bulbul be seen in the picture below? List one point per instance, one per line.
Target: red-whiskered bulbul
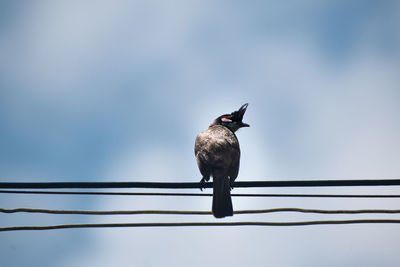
(218, 155)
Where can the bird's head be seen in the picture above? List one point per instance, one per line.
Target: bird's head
(233, 121)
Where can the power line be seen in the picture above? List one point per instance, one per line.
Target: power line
(191, 224)
(108, 185)
(105, 193)
(294, 183)
(318, 211)
(196, 194)
(187, 212)
(105, 212)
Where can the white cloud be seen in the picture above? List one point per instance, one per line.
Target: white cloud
(308, 120)
(151, 162)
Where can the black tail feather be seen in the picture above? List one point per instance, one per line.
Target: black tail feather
(222, 201)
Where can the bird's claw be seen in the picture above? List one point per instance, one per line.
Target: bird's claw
(231, 184)
(202, 184)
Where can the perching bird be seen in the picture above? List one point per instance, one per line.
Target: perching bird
(218, 155)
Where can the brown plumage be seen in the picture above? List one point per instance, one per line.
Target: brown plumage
(218, 155)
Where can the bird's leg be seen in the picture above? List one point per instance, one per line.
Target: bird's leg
(231, 181)
(202, 183)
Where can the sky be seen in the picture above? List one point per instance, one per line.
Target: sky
(118, 90)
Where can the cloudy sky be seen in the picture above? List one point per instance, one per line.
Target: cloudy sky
(118, 90)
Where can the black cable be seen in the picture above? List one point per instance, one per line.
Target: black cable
(188, 212)
(196, 194)
(102, 193)
(183, 224)
(299, 183)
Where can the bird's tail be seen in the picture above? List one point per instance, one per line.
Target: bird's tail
(222, 202)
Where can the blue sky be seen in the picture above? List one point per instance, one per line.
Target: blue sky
(117, 91)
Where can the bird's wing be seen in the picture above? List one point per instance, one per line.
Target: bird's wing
(234, 169)
(217, 147)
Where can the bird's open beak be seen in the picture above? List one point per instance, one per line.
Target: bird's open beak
(241, 112)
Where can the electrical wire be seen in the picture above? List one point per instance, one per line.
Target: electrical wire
(196, 194)
(293, 183)
(180, 212)
(108, 185)
(191, 224)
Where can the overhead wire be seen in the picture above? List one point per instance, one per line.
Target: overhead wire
(176, 185)
(104, 212)
(192, 224)
(188, 212)
(196, 194)
(109, 185)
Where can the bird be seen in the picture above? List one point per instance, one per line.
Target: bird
(218, 155)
